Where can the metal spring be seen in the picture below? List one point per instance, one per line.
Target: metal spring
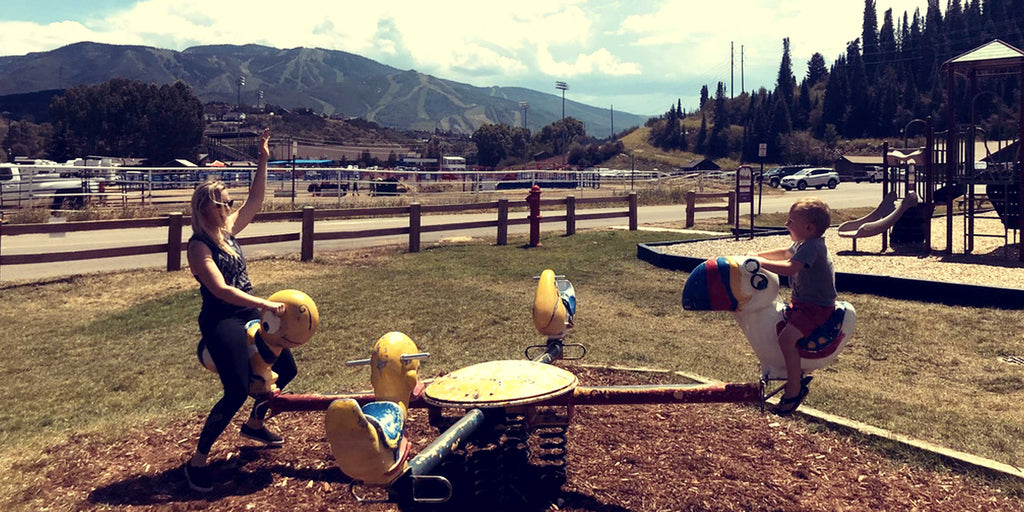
(453, 467)
(516, 447)
(552, 452)
(485, 470)
(552, 445)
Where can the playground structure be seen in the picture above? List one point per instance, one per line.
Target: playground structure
(950, 165)
(502, 425)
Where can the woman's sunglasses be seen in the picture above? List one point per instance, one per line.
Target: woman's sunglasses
(230, 203)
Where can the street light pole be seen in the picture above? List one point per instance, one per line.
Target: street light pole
(241, 82)
(562, 86)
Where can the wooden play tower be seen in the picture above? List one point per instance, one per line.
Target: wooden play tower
(951, 169)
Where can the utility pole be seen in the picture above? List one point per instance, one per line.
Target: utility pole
(743, 88)
(732, 67)
(524, 106)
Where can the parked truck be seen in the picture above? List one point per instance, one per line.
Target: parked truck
(31, 186)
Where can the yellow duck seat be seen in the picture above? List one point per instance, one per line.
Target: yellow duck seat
(554, 305)
(368, 442)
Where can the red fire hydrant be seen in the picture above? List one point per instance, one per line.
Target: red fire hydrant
(534, 201)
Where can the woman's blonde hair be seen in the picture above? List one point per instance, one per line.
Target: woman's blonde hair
(204, 201)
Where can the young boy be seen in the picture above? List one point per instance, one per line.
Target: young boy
(812, 279)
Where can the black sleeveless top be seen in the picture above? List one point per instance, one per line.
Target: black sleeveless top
(234, 271)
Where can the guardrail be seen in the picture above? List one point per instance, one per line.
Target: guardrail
(307, 235)
(729, 207)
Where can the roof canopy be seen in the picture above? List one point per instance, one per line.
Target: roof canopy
(992, 58)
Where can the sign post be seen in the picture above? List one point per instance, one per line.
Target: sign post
(762, 151)
(744, 194)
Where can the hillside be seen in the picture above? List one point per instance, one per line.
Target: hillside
(326, 81)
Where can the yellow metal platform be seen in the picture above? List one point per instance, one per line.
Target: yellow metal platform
(500, 384)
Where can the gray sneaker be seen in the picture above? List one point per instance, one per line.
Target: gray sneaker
(262, 435)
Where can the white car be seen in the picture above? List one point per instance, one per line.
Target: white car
(816, 177)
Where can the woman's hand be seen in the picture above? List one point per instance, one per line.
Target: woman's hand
(265, 144)
(277, 308)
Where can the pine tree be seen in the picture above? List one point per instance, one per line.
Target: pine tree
(785, 83)
(801, 115)
(869, 36)
(702, 135)
(816, 70)
(859, 120)
(887, 42)
(833, 110)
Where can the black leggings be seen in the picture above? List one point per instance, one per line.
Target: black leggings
(226, 340)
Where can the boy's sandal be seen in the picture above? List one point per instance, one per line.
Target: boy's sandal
(787, 406)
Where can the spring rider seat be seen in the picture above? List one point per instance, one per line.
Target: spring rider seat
(270, 335)
(739, 284)
(368, 442)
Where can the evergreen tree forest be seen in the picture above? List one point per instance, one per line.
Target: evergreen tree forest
(890, 75)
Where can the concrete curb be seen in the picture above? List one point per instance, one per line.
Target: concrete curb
(840, 423)
(952, 294)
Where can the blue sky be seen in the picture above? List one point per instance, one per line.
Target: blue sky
(636, 56)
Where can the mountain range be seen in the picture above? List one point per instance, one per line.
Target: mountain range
(326, 81)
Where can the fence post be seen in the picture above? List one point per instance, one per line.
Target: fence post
(306, 251)
(534, 201)
(691, 198)
(502, 221)
(570, 215)
(173, 241)
(732, 207)
(632, 211)
(414, 227)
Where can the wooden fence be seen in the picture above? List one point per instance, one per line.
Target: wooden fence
(307, 235)
(729, 207)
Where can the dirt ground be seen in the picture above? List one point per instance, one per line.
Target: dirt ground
(712, 457)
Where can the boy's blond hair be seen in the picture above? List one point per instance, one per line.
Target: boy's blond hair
(815, 211)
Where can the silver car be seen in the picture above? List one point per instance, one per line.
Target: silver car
(816, 177)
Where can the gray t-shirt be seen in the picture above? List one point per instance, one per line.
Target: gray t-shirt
(816, 281)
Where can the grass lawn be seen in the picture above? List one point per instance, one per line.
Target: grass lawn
(101, 352)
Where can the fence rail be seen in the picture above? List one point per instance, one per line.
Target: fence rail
(691, 208)
(307, 235)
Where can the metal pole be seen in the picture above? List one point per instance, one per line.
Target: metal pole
(295, 151)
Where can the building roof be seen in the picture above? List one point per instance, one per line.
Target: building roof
(992, 50)
(990, 59)
(862, 159)
(701, 163)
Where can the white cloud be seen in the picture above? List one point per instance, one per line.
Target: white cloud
(19, 38)
(601, 61)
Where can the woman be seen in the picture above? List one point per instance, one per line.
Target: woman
(216, 261)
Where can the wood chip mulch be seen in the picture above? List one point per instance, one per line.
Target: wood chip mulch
(714, 457)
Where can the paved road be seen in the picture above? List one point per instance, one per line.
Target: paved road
(848, 195)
